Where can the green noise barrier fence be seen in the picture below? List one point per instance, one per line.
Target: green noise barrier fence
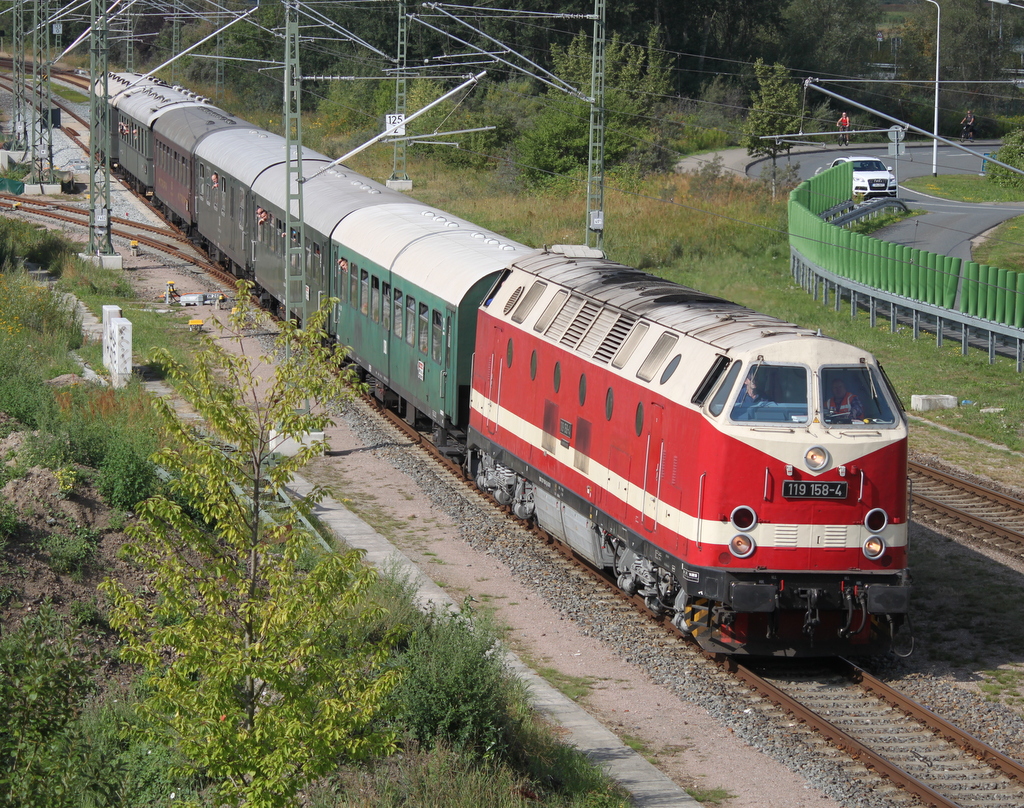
(975, 289)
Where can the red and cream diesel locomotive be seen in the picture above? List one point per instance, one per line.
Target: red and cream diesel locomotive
(745, 476)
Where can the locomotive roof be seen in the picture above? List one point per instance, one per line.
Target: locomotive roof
(245, 152)
(187, 125)
(702, 316)
(330, 197)
(443, 254)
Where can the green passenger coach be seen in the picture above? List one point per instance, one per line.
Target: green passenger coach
(409, 281)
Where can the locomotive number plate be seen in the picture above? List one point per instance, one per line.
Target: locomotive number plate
(806, 489)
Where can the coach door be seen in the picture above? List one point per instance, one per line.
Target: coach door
(493, 386)
(654, 452)
(448, 399)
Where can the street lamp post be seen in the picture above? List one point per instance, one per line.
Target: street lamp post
(935, 123)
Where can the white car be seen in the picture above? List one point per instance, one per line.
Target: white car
(871, 177)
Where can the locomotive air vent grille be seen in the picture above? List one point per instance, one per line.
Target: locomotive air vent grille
(512, 300)
(598, 331)
(616, 334)
(565, 317)
(835, 537)
(786, 536)
(581, 323)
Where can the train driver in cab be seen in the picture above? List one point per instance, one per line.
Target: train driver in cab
(843, 407)
(750, 396)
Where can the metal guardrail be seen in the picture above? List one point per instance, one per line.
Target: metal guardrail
(994, 337)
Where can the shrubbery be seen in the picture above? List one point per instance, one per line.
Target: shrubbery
(456, 690)
(1011, 153)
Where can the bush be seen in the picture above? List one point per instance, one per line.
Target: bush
(9, 522)
(43, 680)
(69, 554)
(126, 477)
(1012, 153)
(456, 690)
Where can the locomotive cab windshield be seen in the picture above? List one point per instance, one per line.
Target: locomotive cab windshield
(856, 394)
(765, 393)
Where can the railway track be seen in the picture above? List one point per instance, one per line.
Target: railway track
(892, 735)
(949, 502)
(166, 240)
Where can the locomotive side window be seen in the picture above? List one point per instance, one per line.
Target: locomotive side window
(410, 320)
(529, 301)
(639, 419)
(855, 395)
(424, 328)
(722, 396)
(508, 353)
(709, 381)
(583, 389)
(772, 394)
(666, 342)
(399, 314)
(533, 366)
(629, 345)
(557, 378)
(609, 404)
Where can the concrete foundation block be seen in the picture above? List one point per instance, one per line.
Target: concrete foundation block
(934, 402)
(106, 261)
(289, 447)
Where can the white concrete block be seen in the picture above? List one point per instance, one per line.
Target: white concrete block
(289, 447)
(933, 402)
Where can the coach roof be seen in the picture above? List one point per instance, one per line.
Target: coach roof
(441, 253)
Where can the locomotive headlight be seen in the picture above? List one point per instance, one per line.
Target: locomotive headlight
(874, 546)
(816, 458)
(876, 520)
(743, 518)
(742, 546)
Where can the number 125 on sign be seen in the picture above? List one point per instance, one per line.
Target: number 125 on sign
(395, 119)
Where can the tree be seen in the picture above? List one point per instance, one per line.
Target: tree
(257, 671)
(775, 112)
(636, 80)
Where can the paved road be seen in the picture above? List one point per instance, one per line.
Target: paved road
(949, 228)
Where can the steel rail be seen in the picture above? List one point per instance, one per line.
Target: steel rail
(953, 734)
(873, 760)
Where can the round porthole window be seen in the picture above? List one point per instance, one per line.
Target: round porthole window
(670, 368)
(609, 404)
(558, 376)
(583, 389)
(639, 419)
(533, 366)
(508, 353)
